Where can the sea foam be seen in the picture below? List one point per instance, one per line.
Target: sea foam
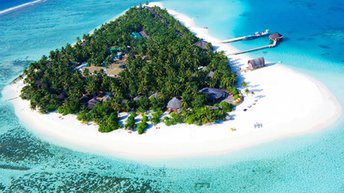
(21, 6)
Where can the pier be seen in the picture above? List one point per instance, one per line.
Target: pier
(255, 49)
(248, 37)
(275, 38)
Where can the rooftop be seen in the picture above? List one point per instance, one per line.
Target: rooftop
(214, 93)
(91, 103)
(275, 36)
(174, 104)
(202, 44)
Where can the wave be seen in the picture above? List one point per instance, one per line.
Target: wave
(21, 6)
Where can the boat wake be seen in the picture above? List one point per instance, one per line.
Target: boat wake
(21, 6)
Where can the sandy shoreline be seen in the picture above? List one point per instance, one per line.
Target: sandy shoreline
(286, 102)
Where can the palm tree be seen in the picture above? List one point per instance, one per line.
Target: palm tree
(244, 84)
(247, 91)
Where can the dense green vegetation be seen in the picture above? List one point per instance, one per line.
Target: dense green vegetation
(142, 125)
(130, 122)
(167, 62)
(156, 116)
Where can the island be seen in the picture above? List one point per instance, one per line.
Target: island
(139, 74)
(143, 62)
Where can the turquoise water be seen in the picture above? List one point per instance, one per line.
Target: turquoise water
(303, 164)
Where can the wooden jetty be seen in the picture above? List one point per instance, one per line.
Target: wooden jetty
(248, 37)
(275, 38)
(255, 49)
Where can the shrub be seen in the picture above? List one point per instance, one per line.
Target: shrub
(142, 125)
(226, 106)
(130, 122)
(167, 121)
(156, 117)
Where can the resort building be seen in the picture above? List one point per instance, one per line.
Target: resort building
(119, 55)
(211, 74)
(104, 97)
(230, 100)
(203, 44)
(275, 37)
(256, 63)
(179, 33)
(214, 94)
(82, 66)
(137, 98)
(155, 95)
(91, 103)
(174, 104)
(204, 68)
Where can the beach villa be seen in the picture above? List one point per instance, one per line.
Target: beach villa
(155, 95)
(256, 63)
(174, 105)
(203, 45)
(275, 37)
(91, 103)
(82, 66)
(214, 94)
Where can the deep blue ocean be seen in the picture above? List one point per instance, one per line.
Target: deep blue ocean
(314, 42)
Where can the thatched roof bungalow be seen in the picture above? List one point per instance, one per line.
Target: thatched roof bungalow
(174, 104)
(91, 103)
(104, 97)
(202, 44)
(214, 94)
(256, 63)
(155, 95)
(82, 66)
(275, 37)
(137, 98)
(179, 33)
(204, 68)
(211, 74)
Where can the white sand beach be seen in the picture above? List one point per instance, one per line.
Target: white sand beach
(286, 103)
